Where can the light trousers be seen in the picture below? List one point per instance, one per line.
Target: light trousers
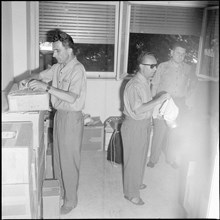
(135, 137)
(67, 144)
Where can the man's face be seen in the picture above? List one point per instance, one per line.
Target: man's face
(148, 70)
(178, 54)
(60, 52)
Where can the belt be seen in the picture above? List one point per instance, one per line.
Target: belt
(130, 118)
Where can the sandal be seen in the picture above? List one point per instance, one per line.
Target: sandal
(65, 210)
(139, 202)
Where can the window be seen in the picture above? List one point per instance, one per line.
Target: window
(209, 56)
(154, 27)
(109, 35)
(159, 45)
(93, 27)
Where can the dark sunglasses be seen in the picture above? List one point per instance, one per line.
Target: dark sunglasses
(151, 65)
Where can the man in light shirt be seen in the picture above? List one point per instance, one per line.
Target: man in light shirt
(68, 93)
(176, 78)
(135, 130)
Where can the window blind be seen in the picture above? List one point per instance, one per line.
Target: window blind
(85, 22)
(166, 20)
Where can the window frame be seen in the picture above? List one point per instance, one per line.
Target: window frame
(123, 62)
(122, 30)
(34, 22)
(123, 42)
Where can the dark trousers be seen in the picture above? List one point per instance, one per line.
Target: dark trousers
(67, 142)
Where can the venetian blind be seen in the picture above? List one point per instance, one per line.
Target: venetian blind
(166, 20)
(85, 22)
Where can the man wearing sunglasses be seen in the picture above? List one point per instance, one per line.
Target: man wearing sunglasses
(176, 78)
(135, 130)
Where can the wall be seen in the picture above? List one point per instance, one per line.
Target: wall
(7, 73)
(14, 41)
(103, 98)
(19, 37)
(7, 45)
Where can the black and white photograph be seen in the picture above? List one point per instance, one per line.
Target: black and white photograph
(110, 109)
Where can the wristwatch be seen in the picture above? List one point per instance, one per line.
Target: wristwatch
(48, 88)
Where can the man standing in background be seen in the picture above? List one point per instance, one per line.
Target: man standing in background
(176, 78)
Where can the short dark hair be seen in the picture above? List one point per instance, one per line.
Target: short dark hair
(65, 38)
(181, 44)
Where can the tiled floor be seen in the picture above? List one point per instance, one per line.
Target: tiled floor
(100, 193)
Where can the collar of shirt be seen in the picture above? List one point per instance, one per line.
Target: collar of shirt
(63, 66)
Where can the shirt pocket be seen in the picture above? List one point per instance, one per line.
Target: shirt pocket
(65, 85)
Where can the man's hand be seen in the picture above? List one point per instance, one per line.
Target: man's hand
(23, 84)
(37, 85)
(164, 97)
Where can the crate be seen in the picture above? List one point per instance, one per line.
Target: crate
(51, 199)
(35, 117)
(93, 137)
(27, 100)
(16, 152)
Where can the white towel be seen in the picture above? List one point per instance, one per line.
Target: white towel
(168, 110)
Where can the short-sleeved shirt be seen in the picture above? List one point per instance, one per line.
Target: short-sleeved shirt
(172, 79)
(71, 78)
(137, 91)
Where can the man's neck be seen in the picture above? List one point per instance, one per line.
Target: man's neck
(145, 77)
(175, 63)
(70, 59)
